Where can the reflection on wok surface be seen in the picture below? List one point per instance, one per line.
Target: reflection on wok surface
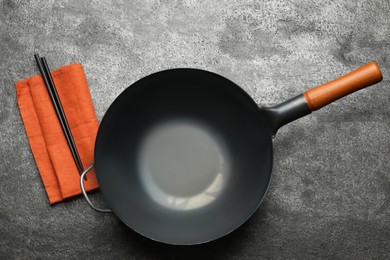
(183, 165)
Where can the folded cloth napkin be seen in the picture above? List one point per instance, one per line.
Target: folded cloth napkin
(47, 140)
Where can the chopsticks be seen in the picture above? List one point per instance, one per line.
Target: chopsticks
(48, 80)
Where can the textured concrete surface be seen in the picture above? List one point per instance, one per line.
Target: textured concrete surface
(330, 193)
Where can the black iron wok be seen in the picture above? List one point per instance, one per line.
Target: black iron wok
(184, 156)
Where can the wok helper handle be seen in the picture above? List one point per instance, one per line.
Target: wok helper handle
(82, 178)
(360, 78)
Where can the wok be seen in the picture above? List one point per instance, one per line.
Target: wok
(184, 156)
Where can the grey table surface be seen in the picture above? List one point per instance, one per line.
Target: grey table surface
(330, 192)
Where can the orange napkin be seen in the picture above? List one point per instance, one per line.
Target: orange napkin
(47, 140)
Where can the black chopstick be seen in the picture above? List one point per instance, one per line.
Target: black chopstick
(48, 80)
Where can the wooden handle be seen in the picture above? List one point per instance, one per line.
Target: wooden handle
(325, 94)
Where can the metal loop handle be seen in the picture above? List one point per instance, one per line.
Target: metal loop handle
(82, 177)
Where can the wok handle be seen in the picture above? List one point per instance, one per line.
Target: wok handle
(82, 177)
(360, 78)
(320, 96)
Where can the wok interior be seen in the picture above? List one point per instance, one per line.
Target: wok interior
(183, 157)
